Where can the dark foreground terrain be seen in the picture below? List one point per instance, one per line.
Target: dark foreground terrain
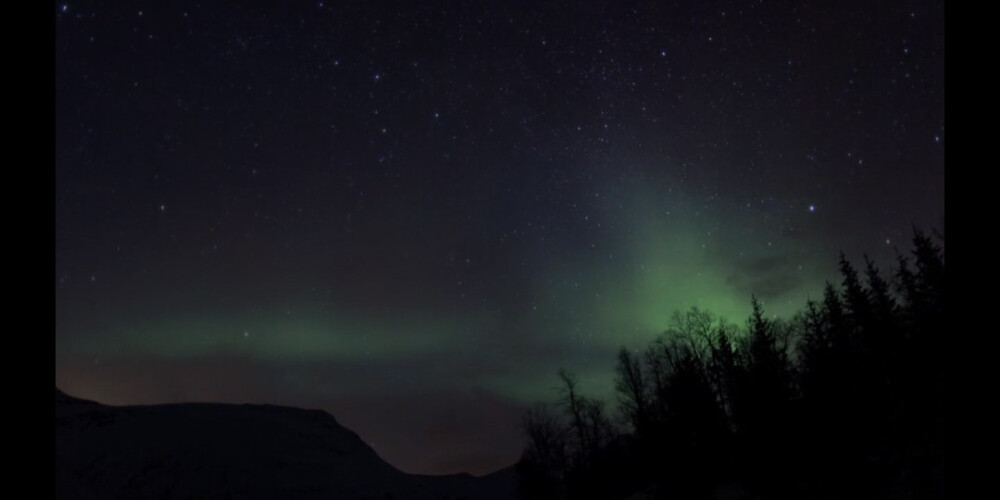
(205, 450)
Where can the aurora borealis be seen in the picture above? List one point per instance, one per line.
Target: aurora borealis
(411, 217)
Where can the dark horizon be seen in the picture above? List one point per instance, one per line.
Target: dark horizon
(62, 398)
(412, 218)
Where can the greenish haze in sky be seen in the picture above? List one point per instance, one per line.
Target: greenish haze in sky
(413, 218)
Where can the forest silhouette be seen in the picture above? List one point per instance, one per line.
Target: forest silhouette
(841, 400)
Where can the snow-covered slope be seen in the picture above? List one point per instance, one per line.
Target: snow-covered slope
(203, 450)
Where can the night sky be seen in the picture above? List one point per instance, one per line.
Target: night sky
(412, 217)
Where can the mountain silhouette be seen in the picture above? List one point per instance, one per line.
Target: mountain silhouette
(210, 450)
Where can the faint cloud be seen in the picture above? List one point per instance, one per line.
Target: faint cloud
(766, 277)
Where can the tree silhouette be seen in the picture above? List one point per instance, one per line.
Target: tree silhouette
(544, 462)
(634, 391)
(832, 403)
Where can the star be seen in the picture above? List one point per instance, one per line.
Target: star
(706, 147)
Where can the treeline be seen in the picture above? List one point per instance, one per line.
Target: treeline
(840, 401)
